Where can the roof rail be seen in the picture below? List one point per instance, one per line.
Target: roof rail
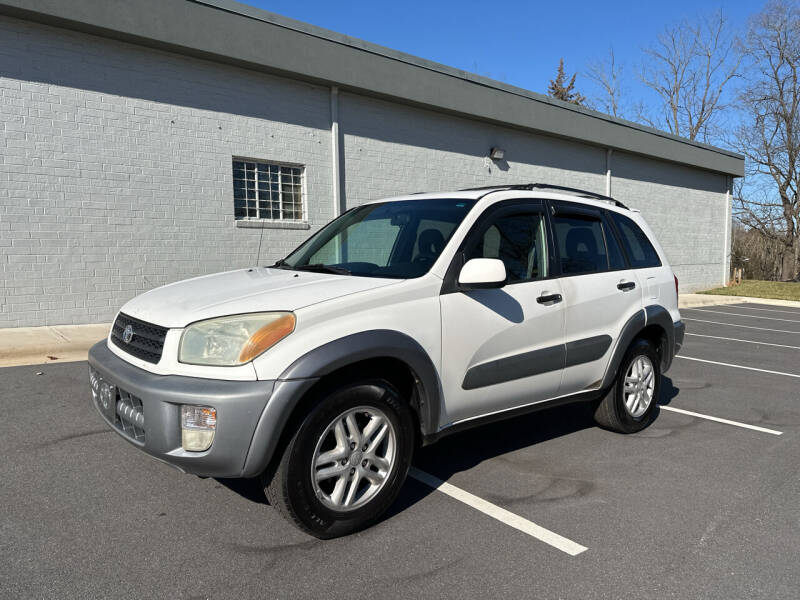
(547, 186)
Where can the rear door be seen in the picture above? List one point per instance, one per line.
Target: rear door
(601, 291)
(503, 348)
(657, 282)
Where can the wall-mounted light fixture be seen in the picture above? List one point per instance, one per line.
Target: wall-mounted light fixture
(497, 153)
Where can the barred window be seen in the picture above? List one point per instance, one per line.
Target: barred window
(264, 191)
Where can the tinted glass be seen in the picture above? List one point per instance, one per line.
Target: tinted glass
(400, 239)
(581, 244)
(616, 260)
(519, 241)
(640, 251)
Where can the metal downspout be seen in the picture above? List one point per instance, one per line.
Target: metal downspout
(336, 155)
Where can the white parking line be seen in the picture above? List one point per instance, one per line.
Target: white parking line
(501, 514)
(714, 362)
(716, 337)
(718, 420)
(786, 312)
(737, 325)
(722, 312)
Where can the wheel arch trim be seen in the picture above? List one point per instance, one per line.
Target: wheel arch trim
(299, 377)
(654, 314)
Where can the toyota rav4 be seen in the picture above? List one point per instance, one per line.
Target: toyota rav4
(399, 322)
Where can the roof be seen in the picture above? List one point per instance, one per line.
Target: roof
(227, 31)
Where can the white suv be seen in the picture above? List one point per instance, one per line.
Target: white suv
(399, 322)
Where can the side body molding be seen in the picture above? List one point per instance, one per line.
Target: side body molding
(304, 372)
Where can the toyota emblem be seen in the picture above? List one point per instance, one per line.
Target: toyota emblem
(127, 335)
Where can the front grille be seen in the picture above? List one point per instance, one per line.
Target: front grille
(129, 418)
(147, 342)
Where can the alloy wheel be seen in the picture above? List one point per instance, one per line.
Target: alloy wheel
(353, 458)
(639, 386)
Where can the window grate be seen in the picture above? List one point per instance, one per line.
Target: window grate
(265, 191)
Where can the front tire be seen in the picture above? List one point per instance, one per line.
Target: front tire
(346, 463)
(631, 404)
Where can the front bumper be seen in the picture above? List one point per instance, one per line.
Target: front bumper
(144, 408)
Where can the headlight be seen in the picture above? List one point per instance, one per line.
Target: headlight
(231, 341)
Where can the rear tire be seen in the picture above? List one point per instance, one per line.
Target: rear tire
(346, 463)
(631, 403)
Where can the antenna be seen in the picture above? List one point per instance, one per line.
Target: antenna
(260, 238)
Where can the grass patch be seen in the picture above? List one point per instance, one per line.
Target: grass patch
(779, 290)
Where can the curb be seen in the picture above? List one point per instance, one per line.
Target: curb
(38, 345)
(694, 300)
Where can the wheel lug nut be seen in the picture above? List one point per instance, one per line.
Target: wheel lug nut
(344, 461)
(352, 471)
(363, 463)
(364, 448)
(352, 445)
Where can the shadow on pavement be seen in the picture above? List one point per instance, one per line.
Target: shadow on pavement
(668, 391)
(464, 450)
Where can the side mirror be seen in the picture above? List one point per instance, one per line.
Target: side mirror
(481, 274)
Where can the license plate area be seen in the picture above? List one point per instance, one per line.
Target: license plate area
(104, 395)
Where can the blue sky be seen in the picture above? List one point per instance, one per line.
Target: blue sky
(516, 42)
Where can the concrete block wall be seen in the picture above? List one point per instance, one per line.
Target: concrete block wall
(391, 149)
(115, 174)
(685, 207)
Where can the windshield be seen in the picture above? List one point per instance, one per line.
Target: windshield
(400, 239)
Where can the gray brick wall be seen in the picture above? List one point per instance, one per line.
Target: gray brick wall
(115, 175)
(685, 208)
(391, 149)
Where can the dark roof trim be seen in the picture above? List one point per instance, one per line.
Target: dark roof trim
(227, 31)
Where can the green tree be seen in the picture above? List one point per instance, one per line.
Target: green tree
(561, 90)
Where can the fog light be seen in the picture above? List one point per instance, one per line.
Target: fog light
(198, 424)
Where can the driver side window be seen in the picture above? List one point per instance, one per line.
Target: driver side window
(520, 241)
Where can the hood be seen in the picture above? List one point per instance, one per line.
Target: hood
(243, 291)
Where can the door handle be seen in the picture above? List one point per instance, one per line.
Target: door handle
(626, 285)
(545, 298)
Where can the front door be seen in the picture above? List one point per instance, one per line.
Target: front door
(504, 348)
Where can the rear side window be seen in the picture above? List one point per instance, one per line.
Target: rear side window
(582, 245)
(640, 251)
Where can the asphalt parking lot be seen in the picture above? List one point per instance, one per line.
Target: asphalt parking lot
(690, 507)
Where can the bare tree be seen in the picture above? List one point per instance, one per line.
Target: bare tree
(607, 75)
(770, 136)
(754, 253)
(689, 67)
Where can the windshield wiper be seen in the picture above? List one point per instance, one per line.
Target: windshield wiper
(320, 268)
(280, 264)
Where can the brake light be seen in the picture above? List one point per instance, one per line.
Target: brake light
(676, 284)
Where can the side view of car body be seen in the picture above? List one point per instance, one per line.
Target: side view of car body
(399, 322)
